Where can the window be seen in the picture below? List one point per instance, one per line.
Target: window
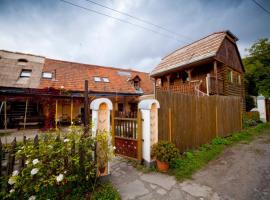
(97, 79)
(47, 75)
(230, 76)
(239, 79)
(120, 107)
(26, 73)
(22, 61)
(106, 80)
(124, 73)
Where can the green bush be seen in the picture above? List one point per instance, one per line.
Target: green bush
(164, 151)
(55, 168)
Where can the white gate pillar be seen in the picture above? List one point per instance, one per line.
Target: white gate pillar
(261, 107)
(101, 120)
(149, 109)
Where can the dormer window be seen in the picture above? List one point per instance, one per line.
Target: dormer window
(26, 73)
(97, 79)
(22, 61)
(47, 75)
(105, 80)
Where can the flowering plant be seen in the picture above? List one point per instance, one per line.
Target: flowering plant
(54, 166)
(104, 149)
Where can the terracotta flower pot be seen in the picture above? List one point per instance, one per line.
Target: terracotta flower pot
(101, 169)
(162, 166)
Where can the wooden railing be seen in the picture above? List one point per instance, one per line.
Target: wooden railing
(185, 88)
(215, 86)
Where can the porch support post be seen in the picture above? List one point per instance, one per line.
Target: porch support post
(56, 113)
(149, 111)
(168, 80)
(208, 82)
(71, 111)
(25, 113)
(86, 104)
(216, 75)
(5, 115)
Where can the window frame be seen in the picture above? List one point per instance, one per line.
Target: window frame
(97, 78)
(105, 79)
(24, 72)
(47, 76)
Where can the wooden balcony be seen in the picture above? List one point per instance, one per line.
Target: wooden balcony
(185, 88)
(214, 86)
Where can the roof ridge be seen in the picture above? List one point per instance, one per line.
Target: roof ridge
(28, 54)
(92, 65)
(193, 43)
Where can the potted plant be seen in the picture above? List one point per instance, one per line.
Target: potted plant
(164, 152)
(104, 150)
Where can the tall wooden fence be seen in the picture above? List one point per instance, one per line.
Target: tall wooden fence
(189, 121)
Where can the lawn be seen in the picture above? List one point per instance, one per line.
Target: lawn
(191, 161)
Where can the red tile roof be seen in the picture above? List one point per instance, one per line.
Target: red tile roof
(71, 76)
(199, 50)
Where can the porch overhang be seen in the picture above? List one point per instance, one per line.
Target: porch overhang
(183, 65)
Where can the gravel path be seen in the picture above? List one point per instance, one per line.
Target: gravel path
(241, 172)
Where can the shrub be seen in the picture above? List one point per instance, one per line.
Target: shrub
(164, 151)
(55, 167)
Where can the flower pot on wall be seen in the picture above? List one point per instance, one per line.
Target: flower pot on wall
(162, 166)
(101, 169)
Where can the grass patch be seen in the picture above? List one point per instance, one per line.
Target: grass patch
(2, 134)
(191, 161)
(106, 192)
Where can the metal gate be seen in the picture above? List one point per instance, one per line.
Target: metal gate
(127, 134)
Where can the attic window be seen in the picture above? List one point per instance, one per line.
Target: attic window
(22, 61)
(124, 73)
(97, 79)
(47, 75)
(106, 80)
(26, 73)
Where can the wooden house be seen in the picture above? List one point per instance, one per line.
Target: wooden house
(38, 91)
(209, 66)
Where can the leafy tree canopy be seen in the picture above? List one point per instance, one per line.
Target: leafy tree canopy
(257, 65)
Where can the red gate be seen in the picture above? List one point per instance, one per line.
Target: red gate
(127, 134)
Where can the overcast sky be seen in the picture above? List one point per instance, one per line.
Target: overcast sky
(55, 29)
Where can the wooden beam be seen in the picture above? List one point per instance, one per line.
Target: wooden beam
(56, 113)
(5, 115)
(25, 114)
(71, 111)
(216, 76)
(86, 104)
(170, 124)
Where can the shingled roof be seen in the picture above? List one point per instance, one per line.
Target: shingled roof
(71, 76)
(204, 48)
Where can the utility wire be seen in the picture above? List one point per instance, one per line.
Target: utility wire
(138, 19)
(121, 20)
(258, 4)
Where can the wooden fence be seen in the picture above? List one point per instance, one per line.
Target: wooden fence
(189, 121)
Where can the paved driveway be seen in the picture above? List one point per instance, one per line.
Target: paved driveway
(242, 172)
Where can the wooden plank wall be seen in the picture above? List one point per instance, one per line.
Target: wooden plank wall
(196, 120)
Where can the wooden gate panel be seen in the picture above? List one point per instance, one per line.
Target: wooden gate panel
(126, 147)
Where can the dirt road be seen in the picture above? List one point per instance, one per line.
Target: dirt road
(241, 172)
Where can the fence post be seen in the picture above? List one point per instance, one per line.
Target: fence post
(139, 136)
(11, 158)
(170, 124)
(1, 157)
(149, 111)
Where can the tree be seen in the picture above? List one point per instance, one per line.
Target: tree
(257, 65)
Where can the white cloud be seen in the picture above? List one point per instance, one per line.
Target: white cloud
(57, 30)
